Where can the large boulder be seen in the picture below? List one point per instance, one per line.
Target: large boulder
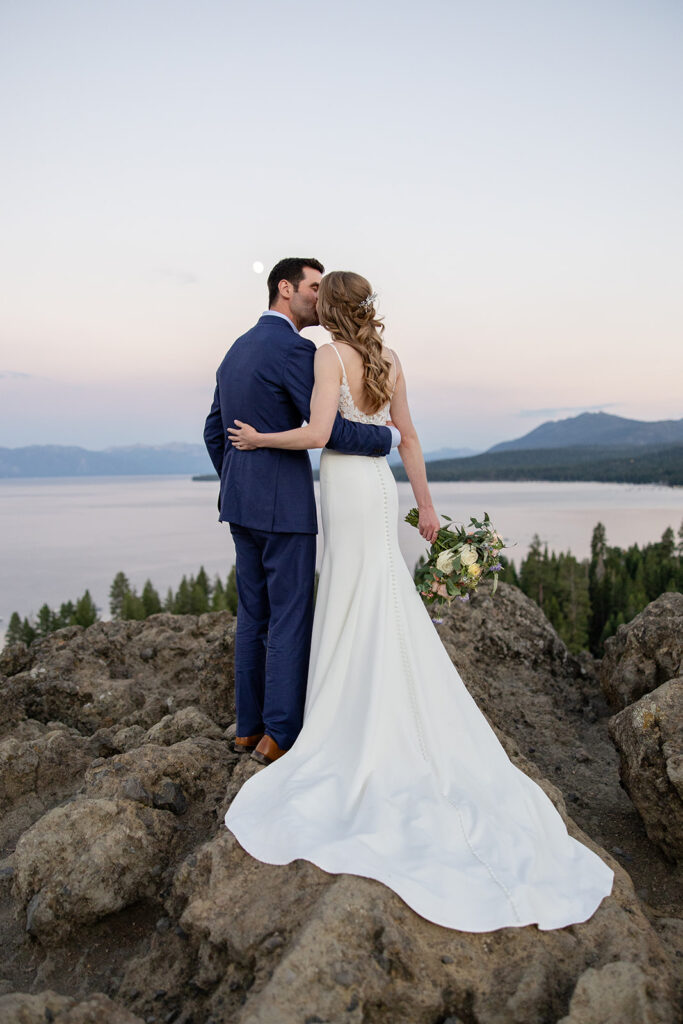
(645, 652)
(86, 859)
(649, 738)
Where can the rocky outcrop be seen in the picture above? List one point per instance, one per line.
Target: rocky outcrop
(86, 859)
(119, 674)
(649, 738)
(124, 898)
(642, 675)
(645, 652)
(270, 944)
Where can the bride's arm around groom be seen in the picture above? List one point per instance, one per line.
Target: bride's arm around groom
(324, 417)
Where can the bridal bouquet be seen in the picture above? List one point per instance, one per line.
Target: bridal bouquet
(459, 559)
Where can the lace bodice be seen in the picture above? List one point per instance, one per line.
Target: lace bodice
(347, 406)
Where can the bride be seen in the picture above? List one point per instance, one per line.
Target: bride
(396, 774)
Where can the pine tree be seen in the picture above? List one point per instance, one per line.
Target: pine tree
(182, 602)
(231, 591)
(46, 622)
(67, 610)
(151, 601)
(572, 591)
(202, 581)
(86, 611)
(15, 633)
(132, 607)
(598, 588)
(533, 574)
(218, 599)
(28, 633)
(118, 590)
(199, 601)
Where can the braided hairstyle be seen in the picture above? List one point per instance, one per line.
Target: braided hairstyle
(346, 309)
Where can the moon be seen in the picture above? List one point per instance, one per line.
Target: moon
(257, 267)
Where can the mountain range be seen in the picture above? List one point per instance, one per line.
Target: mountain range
(132, 460)
(136, 460)
(581, 433)
(596, 428)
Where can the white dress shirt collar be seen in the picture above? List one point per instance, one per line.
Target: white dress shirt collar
(274, 312)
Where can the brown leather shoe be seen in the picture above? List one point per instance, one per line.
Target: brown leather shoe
(267, 751)
(245, 744)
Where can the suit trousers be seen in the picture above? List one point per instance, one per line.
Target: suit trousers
(275, 575)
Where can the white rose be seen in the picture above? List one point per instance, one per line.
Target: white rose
(468, 556)
(444, 562)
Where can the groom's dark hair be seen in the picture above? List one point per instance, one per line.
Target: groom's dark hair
(292, 270)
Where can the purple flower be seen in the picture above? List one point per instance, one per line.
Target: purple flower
(438, 621)
(463, 597)
(497, 567)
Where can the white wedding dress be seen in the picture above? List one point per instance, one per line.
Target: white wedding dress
(396, 774)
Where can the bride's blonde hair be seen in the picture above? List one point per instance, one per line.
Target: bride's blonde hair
(346, 308)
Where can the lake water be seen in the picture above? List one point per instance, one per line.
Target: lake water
(59, 536)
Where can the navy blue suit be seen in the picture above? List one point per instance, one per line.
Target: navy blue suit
(266, 380)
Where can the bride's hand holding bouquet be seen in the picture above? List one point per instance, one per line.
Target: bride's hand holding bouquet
(459, 559)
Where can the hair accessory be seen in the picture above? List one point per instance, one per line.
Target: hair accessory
(367, 302)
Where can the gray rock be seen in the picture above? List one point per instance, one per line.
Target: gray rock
(196, 767)
(37, 773)
(170, 797)
(133, 789)
(645, 652)
(183, 725)
(614, 994)
(130, 737)
(87, 859)
(649, 738)
(102, 677)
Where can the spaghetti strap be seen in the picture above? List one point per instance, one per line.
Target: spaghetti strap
(393, 359)
(332, 345)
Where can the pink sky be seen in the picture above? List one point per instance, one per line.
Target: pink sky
(507, 176)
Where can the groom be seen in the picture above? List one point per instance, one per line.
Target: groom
(266, 495)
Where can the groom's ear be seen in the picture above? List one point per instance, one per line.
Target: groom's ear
(285, 288)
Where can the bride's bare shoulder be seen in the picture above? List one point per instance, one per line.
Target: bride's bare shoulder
(350, 355)
(393, 356)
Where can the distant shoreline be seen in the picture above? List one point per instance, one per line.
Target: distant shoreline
(658, 465)
(628, 464)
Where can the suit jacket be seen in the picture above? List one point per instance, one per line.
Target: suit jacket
(266, 379)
